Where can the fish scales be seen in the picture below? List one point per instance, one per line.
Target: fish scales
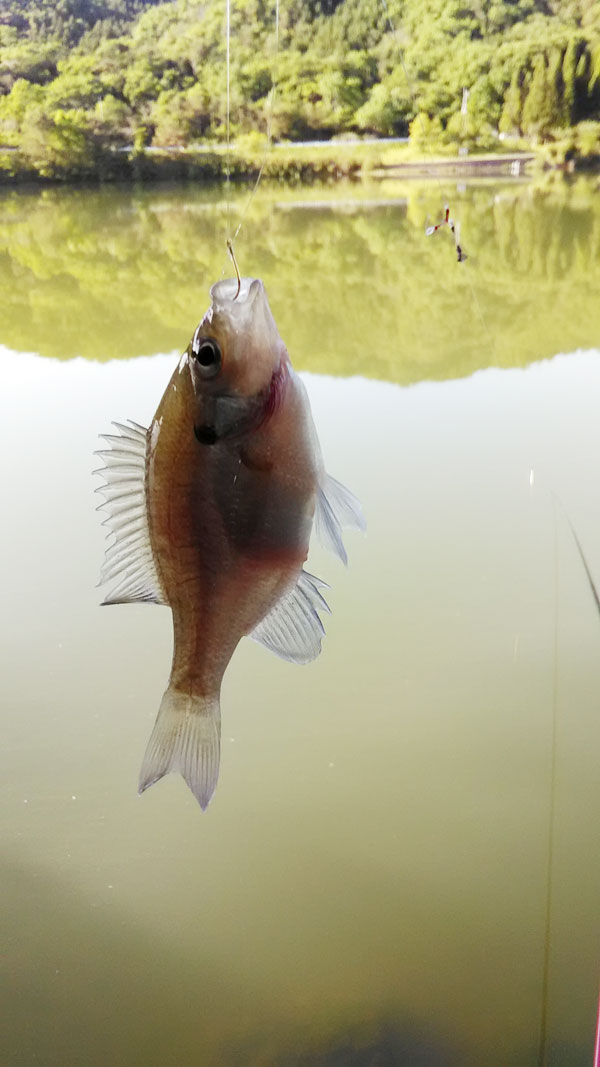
(230, 532)
(230, 478)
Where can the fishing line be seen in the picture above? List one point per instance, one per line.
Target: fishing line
(597, 1044)
(270, 111)
(268, 145)
(228, 111)
(551, 813)
(445, 220)
(556, 503)
(236, 268)
(419, 116)
(586, 567)
(579, 546)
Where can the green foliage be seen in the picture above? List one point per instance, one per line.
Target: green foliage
(510, 118)
(555, 90)
(388, 108)
(424, 131)
(58, 142)
(141, 72)
(588, 136)
(536, 114)
(568, 75)
(14, 109)
(68, 21)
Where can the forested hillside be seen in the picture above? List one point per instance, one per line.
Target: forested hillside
(80, 79)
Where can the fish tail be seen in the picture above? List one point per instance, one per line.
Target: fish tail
(186, 738)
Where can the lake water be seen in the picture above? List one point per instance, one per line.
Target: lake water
(404, 838)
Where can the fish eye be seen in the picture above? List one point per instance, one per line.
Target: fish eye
(208, 357)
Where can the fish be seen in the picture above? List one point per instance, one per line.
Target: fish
(210, 511)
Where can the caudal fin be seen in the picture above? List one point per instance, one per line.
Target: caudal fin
(186, 738)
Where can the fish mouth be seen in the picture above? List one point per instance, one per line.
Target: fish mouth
(206, 435)
(227, 291)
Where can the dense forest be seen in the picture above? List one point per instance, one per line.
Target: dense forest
(84, 83)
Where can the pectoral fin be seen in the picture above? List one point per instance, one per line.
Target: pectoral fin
(293, 629)
(129, 559)
(337, 509)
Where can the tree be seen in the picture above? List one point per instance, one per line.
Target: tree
(159, 67)
(569, 68)
(555, 91)
(424, 131)
(510, 119)
(536, 113)
(60, 143)
(14, 107)
(386, 111)
(484, 104)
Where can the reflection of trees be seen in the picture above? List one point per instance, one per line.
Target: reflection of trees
(356, 287)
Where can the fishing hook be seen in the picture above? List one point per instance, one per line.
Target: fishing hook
(234, 261)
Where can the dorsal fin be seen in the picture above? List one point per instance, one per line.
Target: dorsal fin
(293, 628)
(129, 560)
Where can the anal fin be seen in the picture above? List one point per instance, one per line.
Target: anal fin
(293, 629)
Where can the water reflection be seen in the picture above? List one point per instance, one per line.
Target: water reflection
(375, 859)
(112, 274)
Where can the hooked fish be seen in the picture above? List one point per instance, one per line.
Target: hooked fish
(212, 509)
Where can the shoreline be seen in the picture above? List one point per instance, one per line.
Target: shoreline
(512, 165)
(328, 162)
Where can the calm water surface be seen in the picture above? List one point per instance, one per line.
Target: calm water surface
(370, 882)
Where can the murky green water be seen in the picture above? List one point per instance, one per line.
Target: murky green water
(370, 882)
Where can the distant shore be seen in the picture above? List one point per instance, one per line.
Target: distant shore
(325, 161)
